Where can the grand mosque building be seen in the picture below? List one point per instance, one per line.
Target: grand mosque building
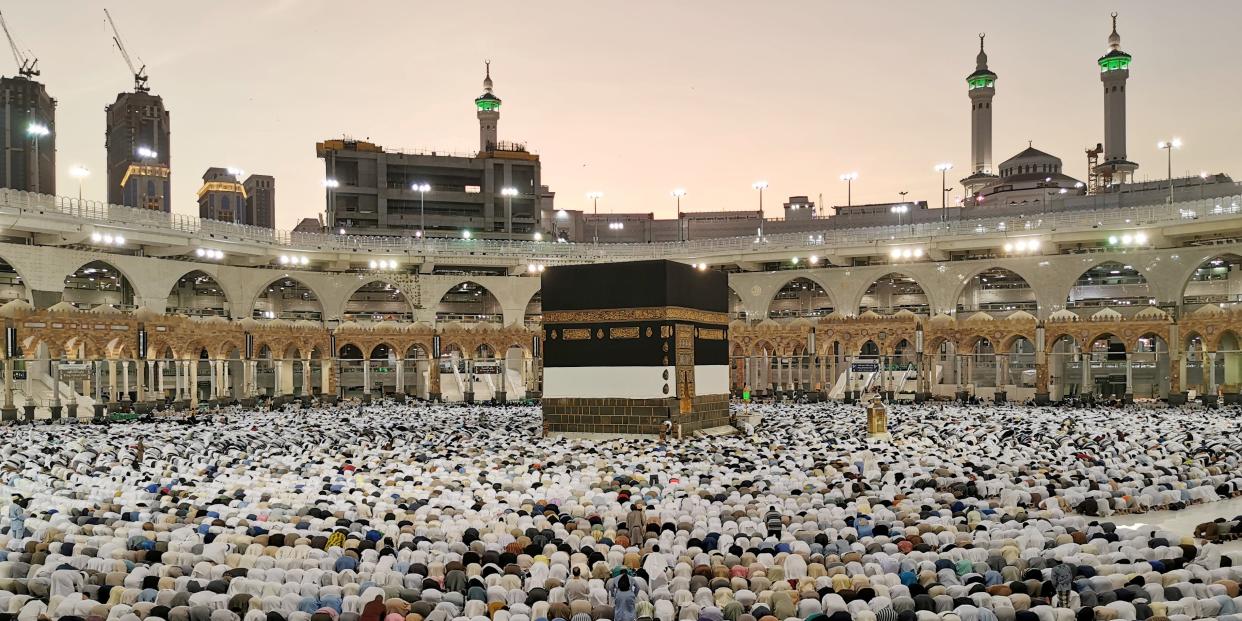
(1039, 286)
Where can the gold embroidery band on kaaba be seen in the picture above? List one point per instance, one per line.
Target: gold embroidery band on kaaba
(711, 334)
(576, 334)
(654, 313)
(623, 333)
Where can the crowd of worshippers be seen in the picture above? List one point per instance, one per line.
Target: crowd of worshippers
(391, 512)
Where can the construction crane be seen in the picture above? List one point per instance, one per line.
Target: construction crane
(140, 74)
(26, 67)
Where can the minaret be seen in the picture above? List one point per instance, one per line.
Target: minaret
(488, 106)
(1114, 71)
(981, 87)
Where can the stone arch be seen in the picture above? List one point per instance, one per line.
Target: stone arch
(99, 269)
(810, 284)
(183, 280)
(487, 308)
(980, 273)
(1215, 270)
(276, 281)
(381, 351)
(18, 279)
(901, 280)
(1100, 272)
(406, 311)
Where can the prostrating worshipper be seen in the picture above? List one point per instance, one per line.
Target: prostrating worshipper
(434, 512)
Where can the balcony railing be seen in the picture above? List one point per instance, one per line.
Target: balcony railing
(84, 212)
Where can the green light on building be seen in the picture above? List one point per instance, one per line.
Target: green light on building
(487, 104)
(1114, 63)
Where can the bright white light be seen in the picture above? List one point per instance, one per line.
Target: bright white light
(147, 153)
(1008, 247)
(759, 185)
(78, 171)
(341, 230)
(199, 252)
(794, 260)
(38, 129)
(304, 260)
(1126, 239)
(120, 241)
(702, 267)
(421, 187)
(1032, 244)
(372, 264)
(561, 214)
(531, 268)
(284, 260)
(538, 236)
(1112, 239)
(465, 234)
(907, 253)
(679, 192)
(107, 238)
(541, 267)
(895, 253)
(1140, 238)
(236, 172)
(899, 209)
(918, 252)
(331, 183)
(814, 259)
(96, 237)
(944, 167)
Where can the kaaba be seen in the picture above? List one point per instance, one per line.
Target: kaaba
(628, 346)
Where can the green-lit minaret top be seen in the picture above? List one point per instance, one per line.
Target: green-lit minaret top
(487, 101)
(1115, 59)
(982, 77)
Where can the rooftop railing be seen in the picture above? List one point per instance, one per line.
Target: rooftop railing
(18, 204)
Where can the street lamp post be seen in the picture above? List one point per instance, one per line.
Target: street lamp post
(36, 131)
(760, 185)
(595, 196)
(79, 172)
(849, 178)
(422, 189)
(1168, 146)
(943, 168)
(677, 194)
(900, 210)
(509, 193)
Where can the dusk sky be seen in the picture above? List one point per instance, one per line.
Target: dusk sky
(636, 98)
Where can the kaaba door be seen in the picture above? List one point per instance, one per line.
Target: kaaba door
(685, 367)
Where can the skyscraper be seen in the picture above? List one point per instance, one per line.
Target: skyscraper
(260, 200)
(222, 196)
(28, 125)
(137, 139)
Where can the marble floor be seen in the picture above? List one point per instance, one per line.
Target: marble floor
(1184, 522)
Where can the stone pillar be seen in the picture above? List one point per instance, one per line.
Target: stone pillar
(214, 379)
(306, 377)
(1129, 396)
(1085, 387)
(1209, 392)
(192, 381)
(366, 380)
(433, 381)
(140, 370)
(400, 376)
(55, 364)
(469, 396)
(159, 377)
(125, 380)
(325, 377)
(8, 387)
